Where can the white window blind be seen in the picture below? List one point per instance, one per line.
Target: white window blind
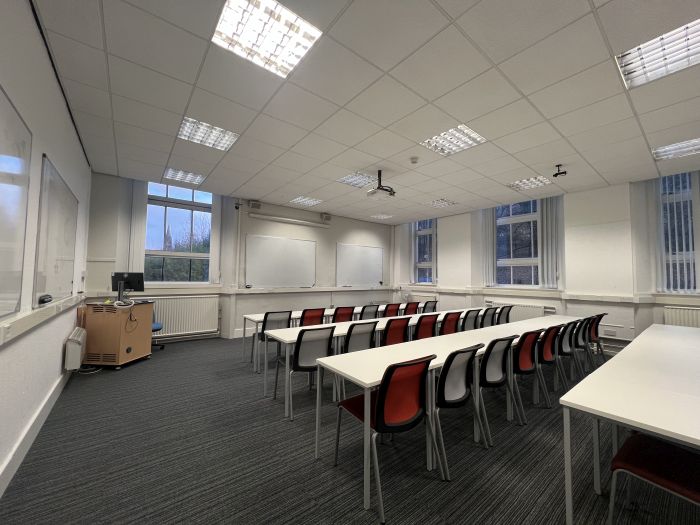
(425, 251)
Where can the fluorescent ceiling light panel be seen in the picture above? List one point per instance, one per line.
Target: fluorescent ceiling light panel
(266, 33)
(680, 149)
(666, 54)
(358, 179)
(531, 183)
(442, 203)
(206, 134)
(381, 216)
(453, 140)
(306, 201)
(183, 176)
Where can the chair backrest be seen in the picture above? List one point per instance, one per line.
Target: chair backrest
(524, 352)
(565, 339)
(369, 311)
(311, 344)
(360, 336)
(503, 316)
(547, 346)
(594, 329)
(450, 323)
(494, 364)
(343, 314)
(429, 307)
(395, 331)
(488, 318)
(410, 309)
(454, 383)
(471, 318)
(425, 327)
(401, 399)
(275, 320)
(312, 316)
(391, 310)
(580, 337)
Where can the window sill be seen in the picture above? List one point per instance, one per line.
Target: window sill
(22, 322)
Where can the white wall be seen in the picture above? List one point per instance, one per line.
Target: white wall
(30, 366)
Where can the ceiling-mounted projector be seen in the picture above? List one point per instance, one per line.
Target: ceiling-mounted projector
(380, 192)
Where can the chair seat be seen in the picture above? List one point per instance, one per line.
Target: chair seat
(356, 406)
(156, 327)
(669, 466)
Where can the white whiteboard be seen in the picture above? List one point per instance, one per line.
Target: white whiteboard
(359, 265)
(279, 262)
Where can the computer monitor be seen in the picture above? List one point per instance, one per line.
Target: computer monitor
(126, 281)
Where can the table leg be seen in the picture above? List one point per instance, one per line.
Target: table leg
(319, 394)
(286, 380)
(367, 435)
(265, 369)
(429, 410)
(509, 373)
(476, 392)
(568, 491)
(245, 326)
(256, 364)
(596, 456)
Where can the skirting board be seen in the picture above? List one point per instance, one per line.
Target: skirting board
(16, 456)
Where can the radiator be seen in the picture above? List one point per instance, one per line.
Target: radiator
(422, 297)
(520, 312)
(682, 316)
(186, 315)
(75, 349)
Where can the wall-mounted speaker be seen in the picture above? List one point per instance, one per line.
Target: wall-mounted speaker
(326, 217)
(254, 205)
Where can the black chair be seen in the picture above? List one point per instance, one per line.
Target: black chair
(429, 307)
(525, 363)
(272, 321)
(471, 320)
(565, 348)
(580, 342)
(360, 336)
(503, 316)
(488, 318)
(369, 311)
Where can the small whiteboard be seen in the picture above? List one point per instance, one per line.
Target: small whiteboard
(279, 262)
(359, 265)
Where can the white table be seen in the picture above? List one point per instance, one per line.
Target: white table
(257, 320)
(652, 385)
(366, 368)
(288, 337)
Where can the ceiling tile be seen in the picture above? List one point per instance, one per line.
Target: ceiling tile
(478, 154)
(627, 171)
(524, 23)
(499, 165)
(331, 71)
(671, 116)
(509, 176)
(86, 98)
(145, 116)
(189, 164)
(251, 148)
(275, 132)
(250, 190)
(386, 101)
(347, 128)
(330, 172)
(593, 84)
(408, 179)
(241, 164)
(651, 18)
(455, 8)
(354, 160)
(681, 165)
(332, 190)
(232, 177)
(145, 39)
(136, 82)
(299, 107)
(216, 185)
(384, 144)
(528, 138)
(197, 152)
(665, 91)
(600, 157)
(508, 119)
(441, 65)
(549, 61)
(680, 133)
(607, 134)
(128, 134)
(383, 34)
(91, 125)
(134, 169)
(604, 112)
(141, 154)
(198, 17)
(77, 19)
(439, 168)
(101, 153)
(219, 111)
(237, 79)
(79, 62)
(276, 174)
(415, 157)
(461, 178)
(549, 153)
(318, 147)
(424, 123)
(319, 13)
(477, 97)
(296, 162)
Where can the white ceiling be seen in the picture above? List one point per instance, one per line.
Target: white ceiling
(537, 79)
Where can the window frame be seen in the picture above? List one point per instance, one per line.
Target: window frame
(416, 265)
(535, 240)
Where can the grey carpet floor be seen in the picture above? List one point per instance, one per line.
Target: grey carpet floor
(187, 437)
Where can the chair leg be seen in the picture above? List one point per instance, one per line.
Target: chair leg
(601, 349)
(479, 422)
(487, 428)
(543, 384)
(375, 460)
(337, 436)
(577, 364)
(291, 397)
(515, 402)
(431, 429)
(613, 486)
(277, 374)
(441, 439)
(519, 405)
(562, 374)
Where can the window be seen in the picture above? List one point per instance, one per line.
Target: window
(517, 258)
(424, 251)
(178, 234)
(678, 196)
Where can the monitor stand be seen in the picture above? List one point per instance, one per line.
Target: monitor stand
(120, 291)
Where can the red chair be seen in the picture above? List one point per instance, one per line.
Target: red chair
(425, 327)
(312, 316)
(450, 323)
(395, 331)
(525, 363)
(410, 309)
(343, 314)
(398, 405)
(391, 310)
(659, 463)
